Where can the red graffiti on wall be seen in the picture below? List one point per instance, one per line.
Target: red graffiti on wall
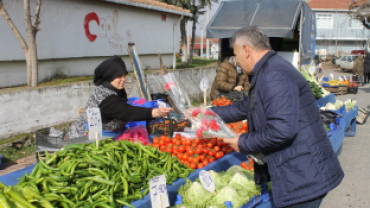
(88, 18)
(107, 27)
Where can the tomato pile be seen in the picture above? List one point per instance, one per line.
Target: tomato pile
(196, 153)
(221, 102)
(248, 165)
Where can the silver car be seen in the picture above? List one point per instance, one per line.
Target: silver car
(346, 62)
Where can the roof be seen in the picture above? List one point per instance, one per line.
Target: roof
(153, 5)
(329, 4)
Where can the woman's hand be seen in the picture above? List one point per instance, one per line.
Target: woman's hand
(238, 88)
(161, 112)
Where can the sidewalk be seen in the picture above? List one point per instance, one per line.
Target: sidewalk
(354, 191)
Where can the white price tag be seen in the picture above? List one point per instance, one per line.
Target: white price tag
(158, 192)
(207, 181)
(311, 70)
(340, 79)
(332, 76)
(95, 123)
(204, 84)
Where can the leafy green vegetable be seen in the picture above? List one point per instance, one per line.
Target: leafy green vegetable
(228, 194)
(195, 194)
(243, 186)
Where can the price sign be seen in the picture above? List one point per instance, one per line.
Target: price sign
(204, 84)
(332, 76)
(158, 192)
(94, 122)
(207, 181)
(311, 70)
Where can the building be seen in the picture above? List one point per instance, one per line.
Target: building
(213, 46)
(76, 35)
(337, 32)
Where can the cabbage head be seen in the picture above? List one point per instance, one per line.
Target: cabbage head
(221, 180)
(244, 187)
(238, 169)
(228, 194)
(195, 195)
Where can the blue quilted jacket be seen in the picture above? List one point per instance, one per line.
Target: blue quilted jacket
(285, 125)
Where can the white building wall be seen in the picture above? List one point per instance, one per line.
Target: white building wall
(76, 35)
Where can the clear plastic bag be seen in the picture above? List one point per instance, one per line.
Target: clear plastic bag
(207, 124)
(180, 98)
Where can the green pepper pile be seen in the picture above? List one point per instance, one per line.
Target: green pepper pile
(111, 174)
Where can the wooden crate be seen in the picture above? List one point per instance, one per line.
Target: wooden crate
(337, 90)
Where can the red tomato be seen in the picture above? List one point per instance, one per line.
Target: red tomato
(193, 166)
(178, 136)
(185, 157)
(206, 151)
(214, 141)
(168, 140)
(198, 151)
(182, 140)
(161, 143)
(195, 160)
(194, 145)
(190, 159)
(205, 162)
(182, 149)
(155, 140)
(174, 141)
(209, 144)
(220, 143)
(211, 153)
(201, 157)
(188, 142)
(173, 154)
(200, 146)
(162, 148)
(190, 152)
(217, 148)
(251, 168)
(179, 155)
(211, 159)
(169, 149)
(178, 142)
(156, 146)
(245, 126)
(244, 165)
(196, 141)
(187, 163)
(219, 155)
(163, 137)
(200, 165)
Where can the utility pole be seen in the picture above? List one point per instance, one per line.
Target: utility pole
(207, 40)
(188, 36)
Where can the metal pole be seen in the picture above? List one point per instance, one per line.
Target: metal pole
(201, 37)
(207, 40)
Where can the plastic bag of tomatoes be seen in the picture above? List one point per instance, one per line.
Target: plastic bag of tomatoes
(196, 153)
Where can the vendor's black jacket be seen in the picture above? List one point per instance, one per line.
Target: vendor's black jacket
(285, 125)
(116, 107)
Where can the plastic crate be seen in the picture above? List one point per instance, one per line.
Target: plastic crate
(233, 96)
(166, 126)
(352, 90)
(46, 141)
(2, 162)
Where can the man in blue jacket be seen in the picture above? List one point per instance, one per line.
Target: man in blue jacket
(284, 125)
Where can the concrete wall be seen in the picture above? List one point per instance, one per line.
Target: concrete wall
(65, 47)
(32, 109)
(13, 73)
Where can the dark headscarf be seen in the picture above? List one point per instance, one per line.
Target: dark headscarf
(109, 69)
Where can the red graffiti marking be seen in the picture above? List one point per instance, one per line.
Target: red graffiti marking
(88, 18)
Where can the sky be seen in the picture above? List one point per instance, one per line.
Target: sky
(214, 8)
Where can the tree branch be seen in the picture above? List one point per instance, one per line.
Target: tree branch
(5, 14)
(36, 19)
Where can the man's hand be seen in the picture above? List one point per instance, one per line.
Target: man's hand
(233, 142)
(238, 88)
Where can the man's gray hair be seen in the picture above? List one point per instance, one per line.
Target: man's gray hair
(253, 37)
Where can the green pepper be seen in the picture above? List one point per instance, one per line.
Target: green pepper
(3, 201)
(53, 157)
(35, 169)
(17, 196)
(156, 169)
(45, 165)
(98, 194)
(60, 178)
(99, 180)
(120, 201)
(147, 151)
(133, 179)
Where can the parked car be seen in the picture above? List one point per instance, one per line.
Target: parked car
(346, 62)
(334, 58)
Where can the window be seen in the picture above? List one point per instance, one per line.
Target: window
(344, 58)
(324, 21)
(355, 24)
(349, 59)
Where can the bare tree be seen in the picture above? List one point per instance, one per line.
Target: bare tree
(32, 27)
(361, 10)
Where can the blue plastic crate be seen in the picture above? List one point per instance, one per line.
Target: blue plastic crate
(350, 122)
